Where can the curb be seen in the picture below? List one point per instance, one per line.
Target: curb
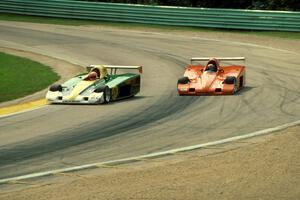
(20, 108)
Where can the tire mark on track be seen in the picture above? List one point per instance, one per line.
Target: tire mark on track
(23, 151)
(159, 111)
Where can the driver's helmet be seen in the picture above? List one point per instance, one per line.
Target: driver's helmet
(212, 67)
(100, 72)
(103, 71)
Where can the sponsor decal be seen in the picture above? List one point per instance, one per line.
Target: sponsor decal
(114, 92)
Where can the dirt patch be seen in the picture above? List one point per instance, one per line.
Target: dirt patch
(64, 69)
(261, 168)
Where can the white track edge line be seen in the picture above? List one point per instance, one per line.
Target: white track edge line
(152, 155)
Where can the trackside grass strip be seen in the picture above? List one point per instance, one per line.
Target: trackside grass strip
(20, 77)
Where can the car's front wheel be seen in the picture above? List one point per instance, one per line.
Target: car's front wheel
(231, 80)
(183, 80)
(107, 95)
(55, 88)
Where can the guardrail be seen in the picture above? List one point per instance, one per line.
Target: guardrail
(161, 15)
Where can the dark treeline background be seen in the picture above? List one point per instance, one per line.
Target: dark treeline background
(241, 4)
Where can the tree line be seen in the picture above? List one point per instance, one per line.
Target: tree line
(293, 5)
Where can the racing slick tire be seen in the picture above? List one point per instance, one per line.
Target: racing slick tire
(106, 93)
(55, 87)
(232, 80)
(183, 80)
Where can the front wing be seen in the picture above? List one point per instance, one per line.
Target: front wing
(58, 98)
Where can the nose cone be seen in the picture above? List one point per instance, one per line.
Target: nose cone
(79, 88)
(208, 79)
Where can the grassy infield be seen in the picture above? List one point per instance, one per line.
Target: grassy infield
(20, 77)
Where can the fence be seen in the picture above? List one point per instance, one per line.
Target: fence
(161, 15)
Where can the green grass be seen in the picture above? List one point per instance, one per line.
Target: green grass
(20, 77)
(74, 22)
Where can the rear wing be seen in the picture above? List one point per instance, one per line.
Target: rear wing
(113, 68)
(219, 58)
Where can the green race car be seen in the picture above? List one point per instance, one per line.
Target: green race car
(97, 86)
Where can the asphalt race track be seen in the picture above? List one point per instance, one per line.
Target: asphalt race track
(157, 119)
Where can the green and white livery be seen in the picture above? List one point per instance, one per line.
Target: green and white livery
(97, 86)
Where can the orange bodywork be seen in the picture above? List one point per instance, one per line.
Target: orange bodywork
(198, 80)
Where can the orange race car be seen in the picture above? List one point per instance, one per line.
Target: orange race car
(212, 78)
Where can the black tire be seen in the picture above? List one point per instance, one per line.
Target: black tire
(55, 88)
(230, 80)
(106, 93)
(183, 80)
(100, 89)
